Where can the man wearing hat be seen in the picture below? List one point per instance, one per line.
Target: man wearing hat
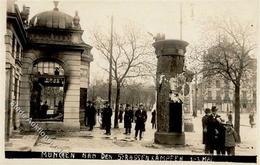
(92, 116)
(141, 117)
(107, 113)
(87, 113)
(128, 118)
(204, 127)
(216, 132)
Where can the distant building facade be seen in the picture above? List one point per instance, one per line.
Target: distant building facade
(220, 92)
(47, 69)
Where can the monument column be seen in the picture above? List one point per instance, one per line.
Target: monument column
(170, 54)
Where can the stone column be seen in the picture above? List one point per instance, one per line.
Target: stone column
(170, 54)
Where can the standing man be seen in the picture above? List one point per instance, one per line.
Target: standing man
(251, 119)
(216, 132)
(205, 140)
(87, 113)
(153, 120)
(141, 117)
(107, 113)
(92, 116)
(121, 111)
(44, 109)
(128, 119)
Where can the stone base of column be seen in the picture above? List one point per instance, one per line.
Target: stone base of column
(169, 138)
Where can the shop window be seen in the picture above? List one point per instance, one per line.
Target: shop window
(47, 98)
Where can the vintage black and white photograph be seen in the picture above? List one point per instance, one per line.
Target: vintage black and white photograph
(128, 80)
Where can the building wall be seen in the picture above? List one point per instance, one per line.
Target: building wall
(71, 61)
(13, 75)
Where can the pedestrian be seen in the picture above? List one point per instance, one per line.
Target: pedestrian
(57, 71)
(216, 132)
(141, 117)
(87, 113)
(44, 109)
(135, 108)
(153, 120)
(128, 119)
(230, 117)
(107, 113)
(121, 111)
(251, 119)
(230, 139)
(92, 116)
(205, 140)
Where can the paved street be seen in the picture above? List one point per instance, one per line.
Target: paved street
(96, 141)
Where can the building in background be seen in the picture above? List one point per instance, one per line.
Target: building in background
(219, 92)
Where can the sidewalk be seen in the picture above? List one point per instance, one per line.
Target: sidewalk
(96, 141)
(21, 142)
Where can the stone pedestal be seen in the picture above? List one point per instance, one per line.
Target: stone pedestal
(170, 54)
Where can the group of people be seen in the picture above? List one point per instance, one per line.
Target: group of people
(218, 135)
(127, 115)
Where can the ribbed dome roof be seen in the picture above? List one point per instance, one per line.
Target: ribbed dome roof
(55, 19)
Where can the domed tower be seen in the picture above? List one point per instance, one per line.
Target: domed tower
(56, 67)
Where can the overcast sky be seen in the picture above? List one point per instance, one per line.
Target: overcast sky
(151, 15)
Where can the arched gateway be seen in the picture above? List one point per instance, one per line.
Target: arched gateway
(55, 72)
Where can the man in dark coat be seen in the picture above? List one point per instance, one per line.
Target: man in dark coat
(141, 117)
(204, 128)
(120, 116)
(153, 120)
(216, 132)
(91, 116)
(107, 113)
(128, 119)
(44, 109)
(87, 113)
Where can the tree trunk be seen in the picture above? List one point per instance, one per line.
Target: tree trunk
(117, 104)
(237, 111)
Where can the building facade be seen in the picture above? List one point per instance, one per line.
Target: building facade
(50, 69)
(15, 43)
(220, 93)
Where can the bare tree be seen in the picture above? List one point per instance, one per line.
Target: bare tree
(132, 51)
(230, 57)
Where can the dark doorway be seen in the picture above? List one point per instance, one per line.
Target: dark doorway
(175, 118)
(83, 103)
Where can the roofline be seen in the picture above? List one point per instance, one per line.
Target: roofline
(16, 19)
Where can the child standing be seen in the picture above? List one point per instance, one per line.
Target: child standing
(230, 139)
